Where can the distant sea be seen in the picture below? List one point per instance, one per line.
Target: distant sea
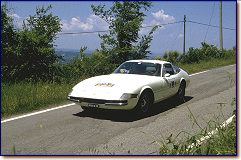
(69, 54)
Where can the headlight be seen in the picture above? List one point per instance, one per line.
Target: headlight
(126, 96)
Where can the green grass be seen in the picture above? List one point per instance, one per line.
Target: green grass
(221, 140)
(26, 97)
(206, 65)
(221, 143)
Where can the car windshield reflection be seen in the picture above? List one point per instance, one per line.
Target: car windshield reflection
(141, 68)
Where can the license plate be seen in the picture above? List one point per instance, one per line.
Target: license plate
(93, 105)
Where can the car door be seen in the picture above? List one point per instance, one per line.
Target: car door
(177, 77)
(170, 78)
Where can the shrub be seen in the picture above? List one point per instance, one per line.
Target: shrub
(171, 56)
(206, 52)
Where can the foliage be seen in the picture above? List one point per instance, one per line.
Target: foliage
(26, 97)
(44, 25)
(229, 53)
(214, 139)
(222, 143)
(125, 19)
(144, 45)
(194, 55)
(82, 67)
(171, 56)
(32, 56)
(36, 45)
(8, 45)
(206, 64)
(158, 58)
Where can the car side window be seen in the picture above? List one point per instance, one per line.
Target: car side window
(167, 68)
(176, 69)
(158, 70)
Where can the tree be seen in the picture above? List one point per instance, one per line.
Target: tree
(36, 46)
(8, 45)
(158, 58)
(125, 20)
(171, 56)
(28, 54)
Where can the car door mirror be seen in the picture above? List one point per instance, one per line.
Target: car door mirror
(167, 75)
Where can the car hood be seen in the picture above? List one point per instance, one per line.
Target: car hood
(111, 86)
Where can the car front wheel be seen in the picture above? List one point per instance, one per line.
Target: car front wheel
(144, 103)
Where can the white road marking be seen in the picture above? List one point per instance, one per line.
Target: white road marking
(51, 109)
(200, 141)
(198, 73)
(39, 112)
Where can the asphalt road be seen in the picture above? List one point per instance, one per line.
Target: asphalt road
(69, 131)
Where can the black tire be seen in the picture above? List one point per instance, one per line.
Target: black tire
(144, 103)
(181, 92)
(87, 109)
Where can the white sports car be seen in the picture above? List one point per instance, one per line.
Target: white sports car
(135, 84)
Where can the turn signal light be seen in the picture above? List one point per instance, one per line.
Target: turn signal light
(134, 95)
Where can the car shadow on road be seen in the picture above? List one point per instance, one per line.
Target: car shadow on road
(129, 116)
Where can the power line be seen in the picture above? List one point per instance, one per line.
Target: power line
(209, 21)
(210, 25)
(164, 24)
(178, 33)
(82, 32)
(159, 25)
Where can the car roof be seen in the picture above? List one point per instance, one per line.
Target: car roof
(149, 61)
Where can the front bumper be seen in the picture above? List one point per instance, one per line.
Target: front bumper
(105, 104)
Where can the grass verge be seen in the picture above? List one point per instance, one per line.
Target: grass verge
(223, 142)
(206, 65)
(26, 97)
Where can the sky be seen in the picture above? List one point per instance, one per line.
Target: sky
(77, 16)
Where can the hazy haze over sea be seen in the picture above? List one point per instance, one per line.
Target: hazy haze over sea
(68, 54)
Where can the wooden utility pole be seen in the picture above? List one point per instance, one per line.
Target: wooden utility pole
(184, 36)
(221, 28)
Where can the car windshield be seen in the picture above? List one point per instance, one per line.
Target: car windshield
(142, 68)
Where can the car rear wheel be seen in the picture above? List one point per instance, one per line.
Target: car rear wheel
(144, 103)
(181, 92)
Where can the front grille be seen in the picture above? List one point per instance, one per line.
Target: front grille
(97, 101)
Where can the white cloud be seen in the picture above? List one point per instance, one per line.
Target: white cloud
(160, 15)
(159, 18)
(92, 22)
(155, 22)
(97, 22)
(76, 24)
(146, 30)
(15, 16)
(18, 21)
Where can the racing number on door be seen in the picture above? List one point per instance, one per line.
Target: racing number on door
(172, 84)
(167, 68)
